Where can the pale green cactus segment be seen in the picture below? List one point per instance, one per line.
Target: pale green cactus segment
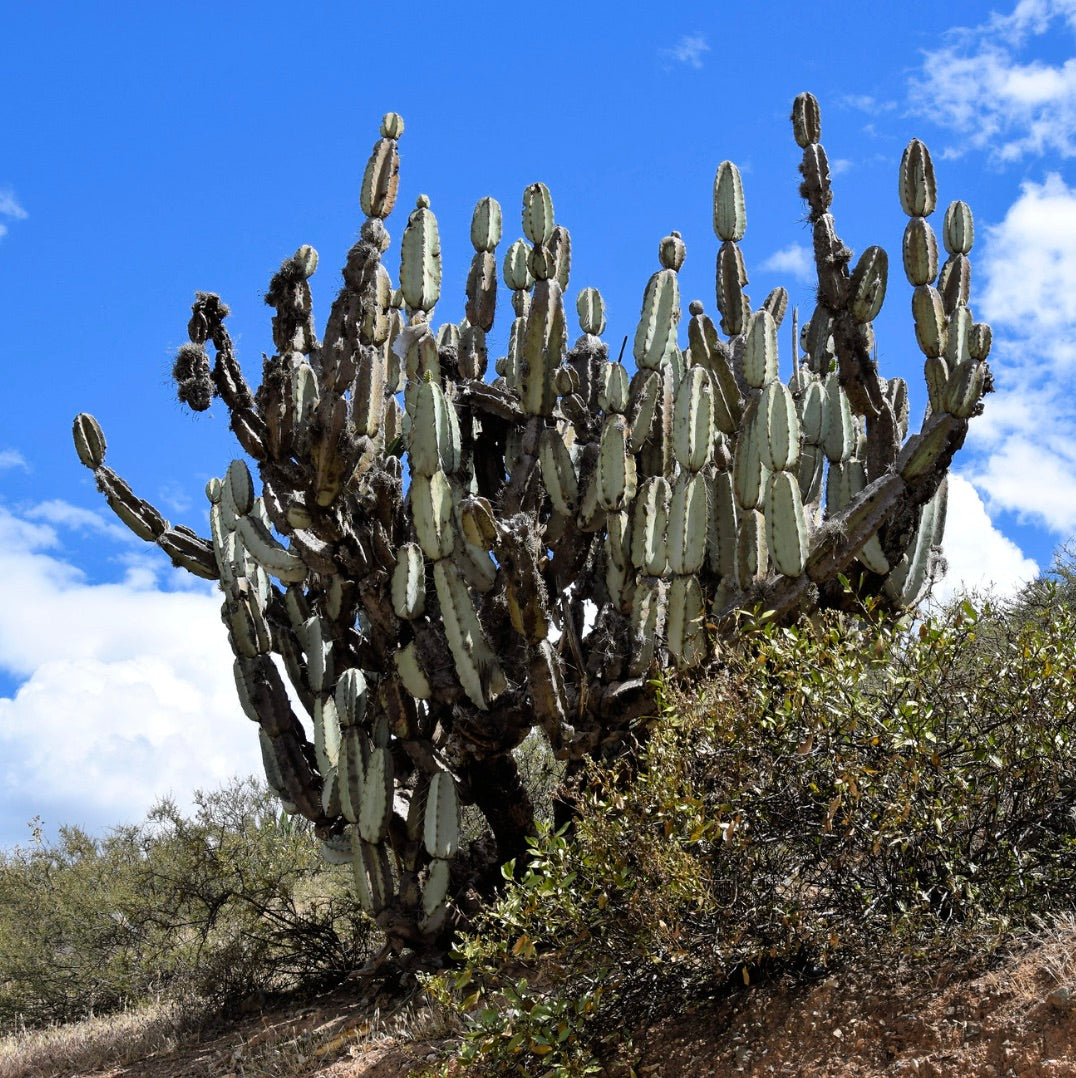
(671, 251)
(368, 397)
(381, 180)
(240, 487)
(786, 528)
(270, 764)
(644, 395)
(544, 343)
(420, 258)
(656, 333)
(806, 120)
(760, 350)
(591, 309)
(648, 610)
(954, 282)
(411, 673)
(409, 582)
(434, 441)
(685, 630)
(212, 488)
(476, 662)
(431, 511)
(687, 526)
(372, 873)
(812, 412)
(928, 310)
(731, 300)
(316, 640)
(275, 558)
(375, 809)
(980, 338)
(964, 388)
(436, 890)
(478, 568)
(613, 394)
(90, 441)
(844, 480)
(560, 248)
(749, 474)
(920, 252)
(649, 520)
(693, 420)
(730, 213)
(350, 697)
(304, 394)
(918, 188)
(724, 524)
(249, 633)
(537, 214)
(615, 476)
(392, 125)
(486, 224)
(618, 538)
(868, 284)
(441, 832)
(810, 470)
(780, 446)
(839, 436)
(514, 269)
(958, 232)
(752, 556)
(558, 471)
(355, 749)
(956, 337)
(326, 733)
(906, 583)
(707, 351)
(244, 686)
(819, 340)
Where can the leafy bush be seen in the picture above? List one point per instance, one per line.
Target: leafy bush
(231, 901)
(834, 789)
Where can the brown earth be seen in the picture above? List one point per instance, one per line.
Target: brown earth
(1018, 1018)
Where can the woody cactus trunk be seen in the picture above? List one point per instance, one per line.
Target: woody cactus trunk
(421, 547)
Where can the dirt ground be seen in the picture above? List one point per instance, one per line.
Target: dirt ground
(1018, 1019)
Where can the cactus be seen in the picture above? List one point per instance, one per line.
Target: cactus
(420, 543)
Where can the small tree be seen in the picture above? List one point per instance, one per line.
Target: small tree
(423, 543)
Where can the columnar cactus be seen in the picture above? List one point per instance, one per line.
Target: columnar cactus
(421, 545)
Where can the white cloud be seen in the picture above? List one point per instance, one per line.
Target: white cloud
(794, 259)
(12, 458)
(1022, 450)
(980, 557)
(125, 693)
(688, 50)
(9, 207)
(976, 85)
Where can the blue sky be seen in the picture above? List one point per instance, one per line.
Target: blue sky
(153, 150)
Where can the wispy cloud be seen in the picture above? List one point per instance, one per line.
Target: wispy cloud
(12, 458)
(795, 259)
(978, 86)
(688, 50)
(866, 103)
(10, 208)
(1024, 446)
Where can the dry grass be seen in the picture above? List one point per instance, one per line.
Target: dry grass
(96, 1043)
(1051, 962)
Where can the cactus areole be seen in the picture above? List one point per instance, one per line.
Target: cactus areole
(418, 547)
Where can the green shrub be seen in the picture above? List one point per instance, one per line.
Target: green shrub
(227, 902)
(833, 790)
